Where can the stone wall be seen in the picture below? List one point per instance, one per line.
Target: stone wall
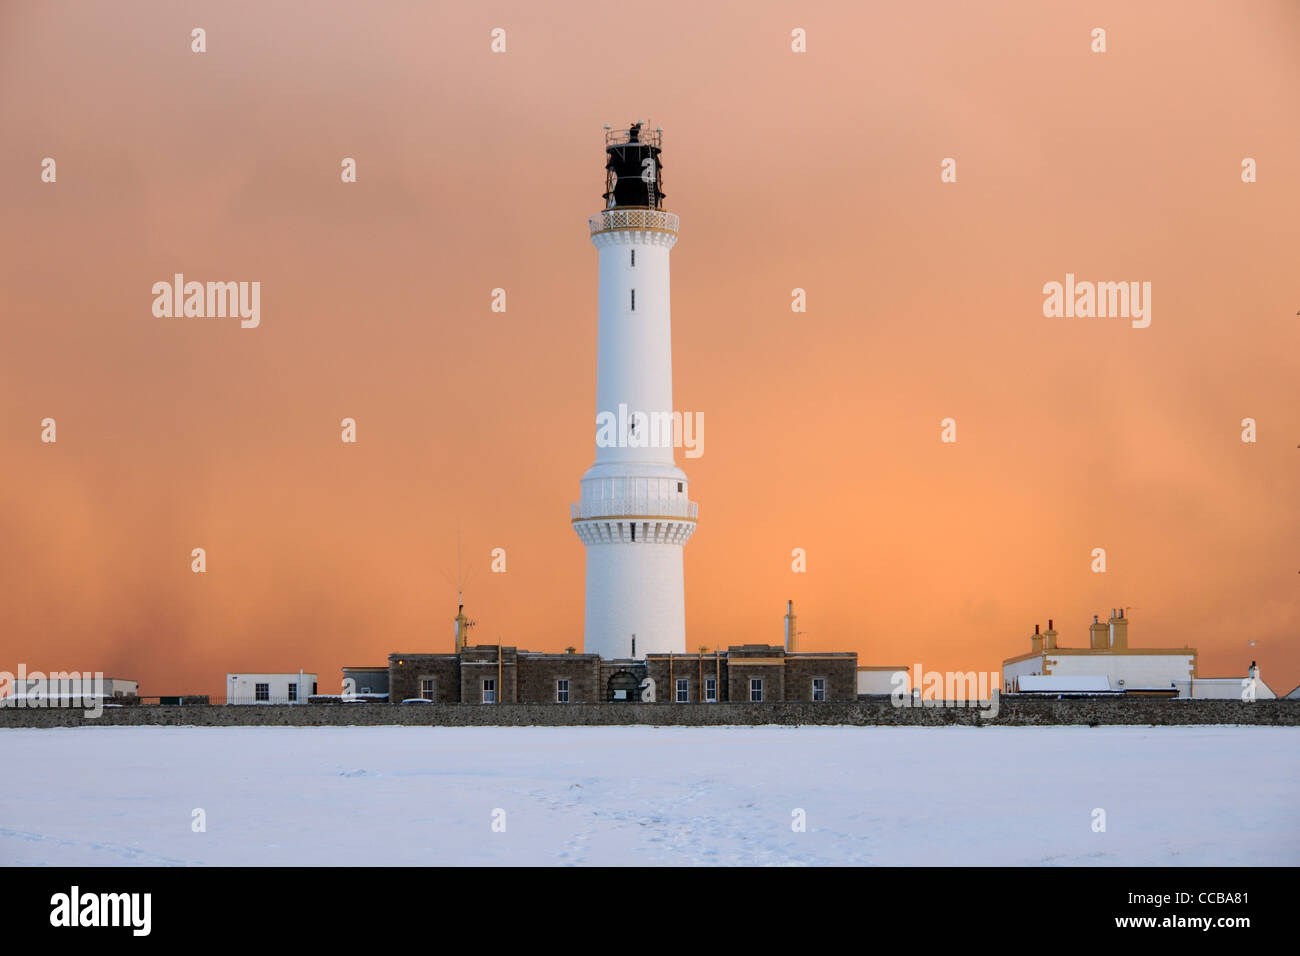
(741, 672)
(861, 712)
(539, 673)
(667, 671)
(406, 671)
(483, 663)
(840, 672)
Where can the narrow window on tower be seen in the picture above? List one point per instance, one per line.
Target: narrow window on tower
(634, 258)
(634, 300)
(679, 487)
(634, 531)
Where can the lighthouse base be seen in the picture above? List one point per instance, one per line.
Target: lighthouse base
(634, 588)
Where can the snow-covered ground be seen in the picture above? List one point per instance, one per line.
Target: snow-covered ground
(647, 795)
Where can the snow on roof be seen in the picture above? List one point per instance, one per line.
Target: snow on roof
(1053, 683)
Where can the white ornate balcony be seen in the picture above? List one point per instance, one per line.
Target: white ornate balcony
(633, 218)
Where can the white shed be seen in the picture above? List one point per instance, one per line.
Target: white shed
(883, 680)
(270, 688)
(1250, 687)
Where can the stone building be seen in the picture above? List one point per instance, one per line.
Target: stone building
(754, 673)
(490, 673)
(432, 677)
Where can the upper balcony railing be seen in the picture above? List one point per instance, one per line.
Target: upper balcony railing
(640, 507)
(633, 217)
(623, 137)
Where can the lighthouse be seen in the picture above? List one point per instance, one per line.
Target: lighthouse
(635, 514)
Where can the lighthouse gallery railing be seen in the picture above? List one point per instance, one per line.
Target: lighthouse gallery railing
(633, 218)
(648, 507)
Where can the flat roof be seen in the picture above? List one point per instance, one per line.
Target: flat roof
(1051, 682)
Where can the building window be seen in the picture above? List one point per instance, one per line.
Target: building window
(819, 688)
(426, 688)
(634, 300)
(679, 487)
(261, 692)
(683, 690)
(711, 690)
(756, 689)
(293, 692)
(634, 258)
(490, 691)
(562, 691)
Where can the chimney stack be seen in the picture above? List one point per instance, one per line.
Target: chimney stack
(1049, 642)
(790, 632)
(1099, 636)
(1118, 629)
(1036, 641)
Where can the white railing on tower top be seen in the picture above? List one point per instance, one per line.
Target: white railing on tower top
(645, 137)
(633, 218)
(649, 507)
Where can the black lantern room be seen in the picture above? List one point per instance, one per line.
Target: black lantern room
(633, 169)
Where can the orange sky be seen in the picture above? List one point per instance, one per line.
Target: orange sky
(478, 171)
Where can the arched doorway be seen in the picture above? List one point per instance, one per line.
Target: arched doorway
(623, 686)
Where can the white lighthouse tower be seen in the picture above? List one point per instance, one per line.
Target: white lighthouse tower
(635, 515)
